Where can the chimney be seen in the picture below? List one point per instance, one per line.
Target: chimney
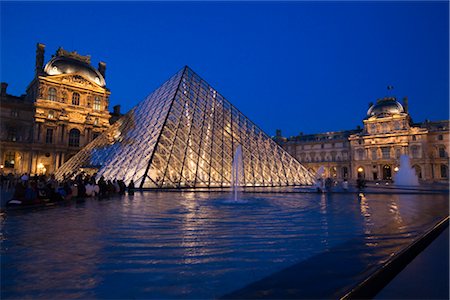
(40, 50)
(116, 109)
(4, 87)
(405, 104)
(102, 68)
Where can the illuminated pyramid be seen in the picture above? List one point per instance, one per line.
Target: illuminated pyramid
(184, 134)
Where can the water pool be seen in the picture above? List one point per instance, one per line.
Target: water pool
(194, 245)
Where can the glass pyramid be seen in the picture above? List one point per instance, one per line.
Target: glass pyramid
(184, 134)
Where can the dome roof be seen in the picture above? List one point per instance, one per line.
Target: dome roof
(385, 107)
(66, 65)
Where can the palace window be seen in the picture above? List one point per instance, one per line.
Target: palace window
(96, 121)
(14, 113)
(415, 152)
(360, 154)
(12, 134)
(76, 99)
(51, 114)
(95, 135)
(442, 153)
(444, 171)
(397, 153)
(49, 136)
(414, 138)
(97, 103)
(374, 154)
(440, 137)
(10, 159)
(74, 138)
(386, 152)
(52, 94)
(418, 170)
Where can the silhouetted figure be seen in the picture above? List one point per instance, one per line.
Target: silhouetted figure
(103, 187)
(131, 188)
(122, 187)
(345, 185)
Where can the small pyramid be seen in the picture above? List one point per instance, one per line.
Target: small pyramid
(184, 134)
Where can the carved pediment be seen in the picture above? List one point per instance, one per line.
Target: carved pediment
(74, 80)
(77, 80)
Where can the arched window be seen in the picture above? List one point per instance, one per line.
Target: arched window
(52, 94)
(76, 99)
(97, 103)
(74, 138)
(444, 171)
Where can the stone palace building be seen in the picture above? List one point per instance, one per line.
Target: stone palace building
(64, 108)
(373, 152)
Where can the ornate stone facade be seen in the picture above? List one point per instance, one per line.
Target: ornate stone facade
(65, 107)
(373, 152)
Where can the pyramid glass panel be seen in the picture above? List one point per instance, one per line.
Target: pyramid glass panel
(185, 134)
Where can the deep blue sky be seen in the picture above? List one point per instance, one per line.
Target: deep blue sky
(297, 66)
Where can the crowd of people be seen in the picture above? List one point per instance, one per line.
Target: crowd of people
(40, 188)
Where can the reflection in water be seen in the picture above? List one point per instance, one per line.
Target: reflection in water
(196, 245)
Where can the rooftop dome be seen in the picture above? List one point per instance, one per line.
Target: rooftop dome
(67, 65)
(385, 107)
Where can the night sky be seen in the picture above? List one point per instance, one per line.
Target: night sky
(299, 66)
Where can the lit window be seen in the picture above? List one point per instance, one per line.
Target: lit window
(49, 136)
(10, 159)
(96, 121)
(76, 99)
(51, 114)
(97, 103)
(74, 138)
(14, 113)
(52, 94)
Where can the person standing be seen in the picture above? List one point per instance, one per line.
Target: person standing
(131, 188)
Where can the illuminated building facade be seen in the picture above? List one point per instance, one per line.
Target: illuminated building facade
(184, 135)
(65, 107)
(373, 152)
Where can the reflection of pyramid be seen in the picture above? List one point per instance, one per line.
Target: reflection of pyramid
(184, 135)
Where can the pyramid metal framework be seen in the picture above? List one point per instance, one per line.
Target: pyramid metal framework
(184, 134)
